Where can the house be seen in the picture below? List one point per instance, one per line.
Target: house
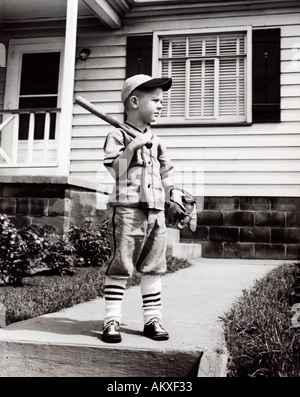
(231, 121)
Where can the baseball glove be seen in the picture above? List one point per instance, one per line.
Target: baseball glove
(180, 209)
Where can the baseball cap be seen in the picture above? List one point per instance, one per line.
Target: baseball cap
(144, 81)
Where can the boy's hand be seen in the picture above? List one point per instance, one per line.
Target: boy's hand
(140, 140)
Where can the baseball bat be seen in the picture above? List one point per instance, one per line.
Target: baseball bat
(109, 119)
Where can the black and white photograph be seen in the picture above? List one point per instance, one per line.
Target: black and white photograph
(150, 192)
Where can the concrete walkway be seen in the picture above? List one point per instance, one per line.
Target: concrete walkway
(68, 343)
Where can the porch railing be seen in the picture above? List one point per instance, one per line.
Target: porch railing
(30, 151)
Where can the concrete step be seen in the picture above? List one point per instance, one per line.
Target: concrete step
(42, 359)
(184, 250)
(173, 235)
(181, 250)
(69, 343)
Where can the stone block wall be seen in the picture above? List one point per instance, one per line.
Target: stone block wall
(41, 204)
(84, 203)
(248, 227)
(58, 205)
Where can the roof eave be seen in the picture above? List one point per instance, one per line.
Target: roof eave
(110, 12)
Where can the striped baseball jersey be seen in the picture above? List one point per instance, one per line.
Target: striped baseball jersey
(141, 185)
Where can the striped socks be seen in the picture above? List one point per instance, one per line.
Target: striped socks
(113, 292)
(151, 295)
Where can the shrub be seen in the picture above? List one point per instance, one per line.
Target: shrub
(39, 246)
(59, 257)
(91, 243)
(260, 338)
(38, 239)
(46, 248)
(14, 262)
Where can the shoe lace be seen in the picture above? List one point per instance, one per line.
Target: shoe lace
(155, 322)
(111, 326)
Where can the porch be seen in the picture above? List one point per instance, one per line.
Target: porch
(37, 79)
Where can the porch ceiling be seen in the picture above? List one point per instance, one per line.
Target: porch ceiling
(28, 10)
(109, 12)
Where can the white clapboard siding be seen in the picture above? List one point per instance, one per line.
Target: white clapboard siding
(290, 66)
(254, 160)
(197, 156)
(168, 20)
(89, 119)
(100, 86)
(251, 141)
(105, 62)
(239, 165)
(111, 107)
(290, 90)
(291, 103)
(290, 115)
(92, 96)
(91, 130)
(228, 153)
(88, 143)
(213, 167)
(98, 74)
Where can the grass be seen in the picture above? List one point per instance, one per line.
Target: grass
(260, 338)
(42, 294)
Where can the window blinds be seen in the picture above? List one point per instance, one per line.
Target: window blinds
(208, 73)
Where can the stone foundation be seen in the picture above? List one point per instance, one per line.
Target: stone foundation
(248, 227)
(228, 227)
(58, 205)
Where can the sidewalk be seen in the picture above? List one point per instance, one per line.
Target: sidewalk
(68, 343)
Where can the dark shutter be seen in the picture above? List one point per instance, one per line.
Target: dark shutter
(139, 55)
(266, 76)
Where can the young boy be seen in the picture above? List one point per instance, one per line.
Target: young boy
(137, 226)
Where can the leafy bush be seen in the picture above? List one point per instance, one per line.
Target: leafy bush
(259, 334)
(91, 243)
(46, 249)
(35, 246)
(38, 240)
(59, 257)
(14, 262)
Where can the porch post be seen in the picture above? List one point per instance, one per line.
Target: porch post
(65, 124)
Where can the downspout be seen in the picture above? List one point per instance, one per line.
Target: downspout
(66, 117)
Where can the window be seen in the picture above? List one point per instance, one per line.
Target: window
(209, 72)
(38, 89)
(226, 77)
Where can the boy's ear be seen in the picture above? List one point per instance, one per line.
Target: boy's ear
(133, 101)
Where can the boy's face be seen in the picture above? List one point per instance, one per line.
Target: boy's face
(149, 104)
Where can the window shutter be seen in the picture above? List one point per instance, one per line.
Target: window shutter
(266, 75)
(139, 55)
